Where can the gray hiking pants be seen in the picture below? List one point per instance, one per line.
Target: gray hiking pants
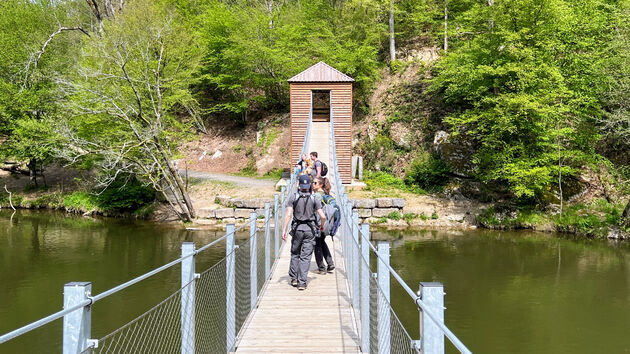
(302, 244)
(322, 253)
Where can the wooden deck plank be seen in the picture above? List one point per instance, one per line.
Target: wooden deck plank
(318, 319)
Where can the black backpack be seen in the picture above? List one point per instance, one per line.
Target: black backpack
(324, 170)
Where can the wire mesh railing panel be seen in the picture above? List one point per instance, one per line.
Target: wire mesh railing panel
(156, 331)
(260, 254)
(242, 281)
(210, 309)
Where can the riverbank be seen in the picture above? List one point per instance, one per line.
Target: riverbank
(597, 218)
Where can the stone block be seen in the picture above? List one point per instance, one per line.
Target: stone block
(229, 221)
(224, 213)
(456, 217)
(242, 213)
(223, 200)
(205, 213)
(382, 212)
(364, 213)
(255, 203)
(236, 203)
(398, 203)
(281, 183)
(384, 203)
(364, 203)
(261, 211)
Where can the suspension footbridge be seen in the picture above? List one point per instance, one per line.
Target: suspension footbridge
(244, 303)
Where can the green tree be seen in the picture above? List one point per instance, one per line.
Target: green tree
(29, 60)
(129, 84)
(524, 89)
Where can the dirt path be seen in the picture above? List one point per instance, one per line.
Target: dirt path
(240, 181)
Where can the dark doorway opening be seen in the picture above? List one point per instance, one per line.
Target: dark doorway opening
(321, 105)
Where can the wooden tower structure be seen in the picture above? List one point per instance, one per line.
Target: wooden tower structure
(323, 91)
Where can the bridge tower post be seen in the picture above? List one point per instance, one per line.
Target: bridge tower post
(77, 325)
(253, 260)
(188, 299)
(365, 288)
(431, 336)
(267, 240)
(384, 324)
(230, 298)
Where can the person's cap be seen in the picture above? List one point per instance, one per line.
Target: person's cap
(305, 181)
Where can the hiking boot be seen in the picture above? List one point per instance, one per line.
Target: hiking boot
(331, 268)
(293, 282)
(301, 287)
(320, 271)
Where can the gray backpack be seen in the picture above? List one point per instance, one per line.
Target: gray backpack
(303, 207)
(329, 210)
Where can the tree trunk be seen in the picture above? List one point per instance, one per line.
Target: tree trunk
(446, 25)
(490, 19)
(32, 169)
(179, 183)
(392, 41)
(626, 213)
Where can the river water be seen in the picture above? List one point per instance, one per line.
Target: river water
(507, 292)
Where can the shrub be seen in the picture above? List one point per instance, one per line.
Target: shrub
(124, 197)
(434, 216)
(409, 216)
(427, 172)
(394, 215)
(423, 217)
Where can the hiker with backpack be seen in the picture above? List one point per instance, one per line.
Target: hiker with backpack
(321, 189)
(301, 209)
(319, 168)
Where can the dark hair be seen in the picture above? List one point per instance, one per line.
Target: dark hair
(314, 153)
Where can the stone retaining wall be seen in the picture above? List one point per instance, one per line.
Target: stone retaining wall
(238, 208)
(378, 208)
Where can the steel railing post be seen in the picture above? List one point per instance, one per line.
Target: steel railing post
(230, 298)
(354, 246)
(77, 325)
(267, 240)
(283, 195)
(365, 288)
(276, 227)
(188, 299)
(384, 330)
(431, 336)
(253, 260)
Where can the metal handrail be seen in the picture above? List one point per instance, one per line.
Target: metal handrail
(415, 297)
(59, 314)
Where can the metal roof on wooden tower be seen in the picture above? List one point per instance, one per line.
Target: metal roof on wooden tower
(323, 91)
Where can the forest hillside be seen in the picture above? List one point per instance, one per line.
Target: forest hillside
(520, 103)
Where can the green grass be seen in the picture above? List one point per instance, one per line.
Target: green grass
(409, 216)
(394, 215)
(80, 201)
(423, 217)
(381, 220)
(592, 219)
(387, 185)
(435, 215)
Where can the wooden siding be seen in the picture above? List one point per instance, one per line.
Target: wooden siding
(341, 102)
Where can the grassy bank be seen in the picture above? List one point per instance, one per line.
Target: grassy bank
(130, 200)
(599, 218)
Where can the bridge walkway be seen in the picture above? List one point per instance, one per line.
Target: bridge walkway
(318, 319)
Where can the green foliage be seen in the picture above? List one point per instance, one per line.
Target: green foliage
(525, 93)
(237, 148)
(423, 217)
(382, 220)
(249, 169)
(409, 216)
(428, 172)
(274, 174)
(249, 59)
(79, 201)
(123, 196)
(394, 215)
(435, 215)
